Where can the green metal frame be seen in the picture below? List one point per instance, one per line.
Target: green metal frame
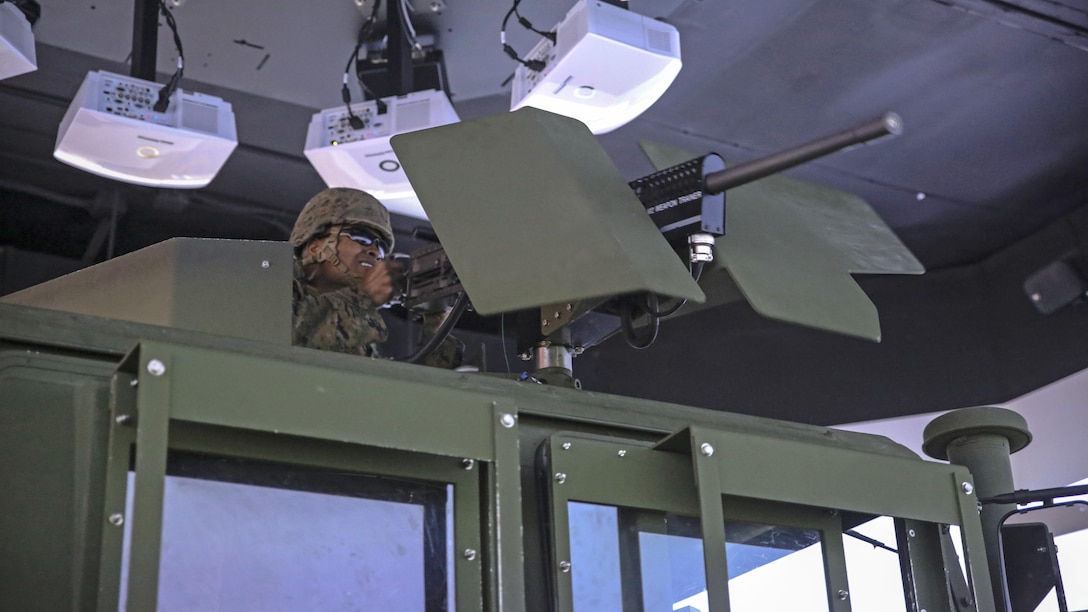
(187, 398)
(839, 478)
(788, 482)
(236, 397)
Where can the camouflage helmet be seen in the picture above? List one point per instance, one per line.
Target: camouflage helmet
(340, 206)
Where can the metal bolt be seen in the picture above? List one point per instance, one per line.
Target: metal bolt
(566, 446)
(436, 7)
(507, 420)
(570, 307)
(117, 519)
(544, 323)
(564, 566)
(621, 453)
(525, 356)
(467, 463)
(156, 367)
(968, 488)
(560, 477)
(843, 594)
(1035, 297)
(910, 532)
(706, 449)
(133, 382)
(469, 554)
(123, 419)
(264, 263)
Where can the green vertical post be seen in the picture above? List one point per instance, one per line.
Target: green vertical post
(712, 520)
(152, 425)
(982, 439)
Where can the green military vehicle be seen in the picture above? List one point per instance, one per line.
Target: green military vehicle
(164, 447)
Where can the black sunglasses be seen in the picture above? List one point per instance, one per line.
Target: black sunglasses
(366, 237)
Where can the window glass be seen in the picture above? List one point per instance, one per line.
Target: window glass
(242, 535)
(629, 559)
(872, 567)
(673, 577)
(775, 568)
(595, 558)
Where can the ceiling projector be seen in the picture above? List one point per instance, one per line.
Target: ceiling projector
(111, 130)
(16, 42)
(606, 67)
(346, 156)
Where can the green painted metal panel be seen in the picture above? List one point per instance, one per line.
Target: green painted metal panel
(179, 385)
(238, 288)
(153, 403)
(614, 472)
(791, 247)
(804, 473)
(532, 211)
(553, 407)
(263, 393)
(712, 520)
(504, 511)
(52, 454)
(586, 463)
(426, 421)
(631, 474)
(919, 556)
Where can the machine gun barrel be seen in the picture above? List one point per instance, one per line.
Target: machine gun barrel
(888, 125)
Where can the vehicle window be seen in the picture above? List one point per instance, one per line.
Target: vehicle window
(259, 536)
(872, 567)
(624, 559)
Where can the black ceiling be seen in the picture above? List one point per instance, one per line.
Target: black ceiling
(987, 184)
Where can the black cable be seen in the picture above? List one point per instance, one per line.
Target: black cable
(168, 90)
(502, 334)
(442, 332)
(864, 538)
(670, 311)
(525, 23)
(1026, 496)
(345, 93)
(533, 64)
(627, 322)
(696, 274)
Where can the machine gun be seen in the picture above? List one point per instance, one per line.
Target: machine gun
(687, 204)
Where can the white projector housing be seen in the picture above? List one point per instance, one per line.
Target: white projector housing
(17, 54)
(111, 130)
(607, 66)
(363, 158)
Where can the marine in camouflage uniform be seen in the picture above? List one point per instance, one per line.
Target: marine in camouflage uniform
(340, 284)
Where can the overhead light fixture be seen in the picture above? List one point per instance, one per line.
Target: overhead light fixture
(605, 66)
(111, 129)
(17, 55)
(361, 157)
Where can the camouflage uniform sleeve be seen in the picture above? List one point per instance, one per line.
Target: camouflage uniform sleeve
(345, 321)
